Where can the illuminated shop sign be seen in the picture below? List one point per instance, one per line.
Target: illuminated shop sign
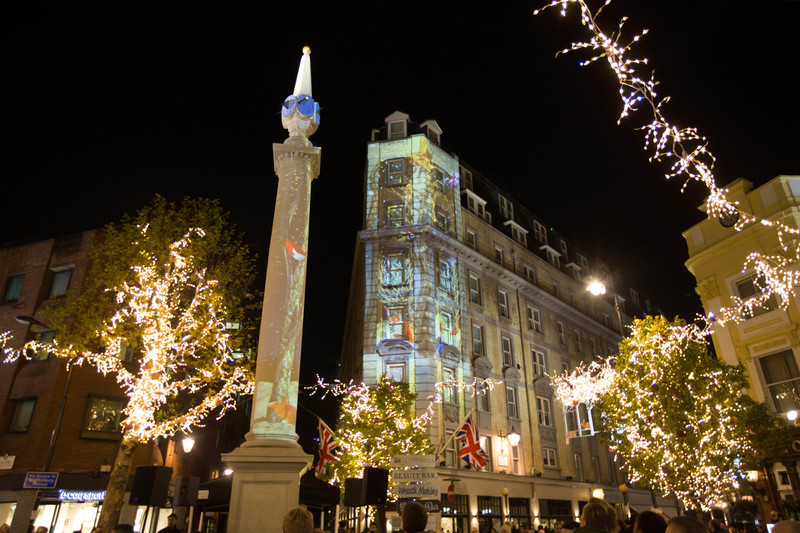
(81, 495)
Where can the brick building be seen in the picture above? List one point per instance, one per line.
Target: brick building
(454, 279)
(51, 419)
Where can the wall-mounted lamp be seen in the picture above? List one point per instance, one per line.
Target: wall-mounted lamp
(598, 493)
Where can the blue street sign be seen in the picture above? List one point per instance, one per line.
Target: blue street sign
(40, 480)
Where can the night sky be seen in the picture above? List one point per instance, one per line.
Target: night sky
(105, 104)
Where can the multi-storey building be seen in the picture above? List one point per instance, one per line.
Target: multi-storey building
(51, 419)
(454, 280)
(766, 343)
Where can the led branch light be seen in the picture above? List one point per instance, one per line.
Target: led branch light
(185, 359)
(688, 153)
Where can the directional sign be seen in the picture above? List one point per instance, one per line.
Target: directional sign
(418, 491)
(416, 475)
(40, 480)
(432, 506)
(422, 461)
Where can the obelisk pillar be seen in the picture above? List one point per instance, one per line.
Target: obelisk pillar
(268, 466)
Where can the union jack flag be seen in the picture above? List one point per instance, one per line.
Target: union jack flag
(471, 451)
(327, 444)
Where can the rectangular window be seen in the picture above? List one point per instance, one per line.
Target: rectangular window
(447, 328)
(484, 403)
(553, 258)
(529, 272)
(474, 289)
(13, 288)
(395, 321)
(437, 176)
(448, 386)
(549, 457)
(544, 412)
(782, 379)
(45, 338)
(635, 297)
(596, 469)
(395, 172)
(450, 456)
(397, 130)
(23, 412)
(562, 332)
(126, 352)
(592, 347)
(515, 461)
(539, 365)
(506, 207)
(578, 467)
(60, 283)
(556, 288)
(519, 235)
(578, 342)
(445, 275)
(583, 262)
(507, 348)
(472, 238)
(749, 288)
(395, 215)
(502, 303)
(466, 177)
(394, 269)
(441, 220)
(511, 402)
(103, 415)
(477, 339)
(396, 371)
(564, 250)
(539, 232)
(534, 319)
(499, 254)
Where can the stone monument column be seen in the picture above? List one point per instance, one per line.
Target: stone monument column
(268, 466)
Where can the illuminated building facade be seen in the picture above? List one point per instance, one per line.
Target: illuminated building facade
(766, 343)
(39, 395)
(456, 280)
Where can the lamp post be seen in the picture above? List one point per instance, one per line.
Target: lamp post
(597, 288)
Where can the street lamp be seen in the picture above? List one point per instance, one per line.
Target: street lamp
(597, 288)
(188, 444)
(513, 437)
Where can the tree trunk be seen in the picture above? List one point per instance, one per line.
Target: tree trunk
(118, 481)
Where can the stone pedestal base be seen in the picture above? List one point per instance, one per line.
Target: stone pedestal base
(266, 484)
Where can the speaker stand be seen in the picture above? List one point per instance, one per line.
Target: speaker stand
(266, 484)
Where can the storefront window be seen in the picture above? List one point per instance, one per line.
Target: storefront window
(103, 416)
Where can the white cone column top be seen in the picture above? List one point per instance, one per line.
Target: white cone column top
(303, 83)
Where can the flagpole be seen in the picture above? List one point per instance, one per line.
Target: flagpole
(444, 446)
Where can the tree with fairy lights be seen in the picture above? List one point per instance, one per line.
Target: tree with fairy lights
(162, 285)
(679, 418)
(376, 422)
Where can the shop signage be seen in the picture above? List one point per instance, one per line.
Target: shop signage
(40, 480)
(81, 495)
(422, 461)
(414, 475)
(7, 462)
(418, 491)
(432, 506)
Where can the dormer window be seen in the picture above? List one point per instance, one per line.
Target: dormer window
(518, 233)
(397, 125)
(553, 257)
(397, 130)
(432, 131)
(506, 207)
(466, 178)
(540, 232)
(476, 204)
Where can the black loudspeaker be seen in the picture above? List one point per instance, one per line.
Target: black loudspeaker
(186, 488)
(353, 495)
(151, 486)
(375, 485)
